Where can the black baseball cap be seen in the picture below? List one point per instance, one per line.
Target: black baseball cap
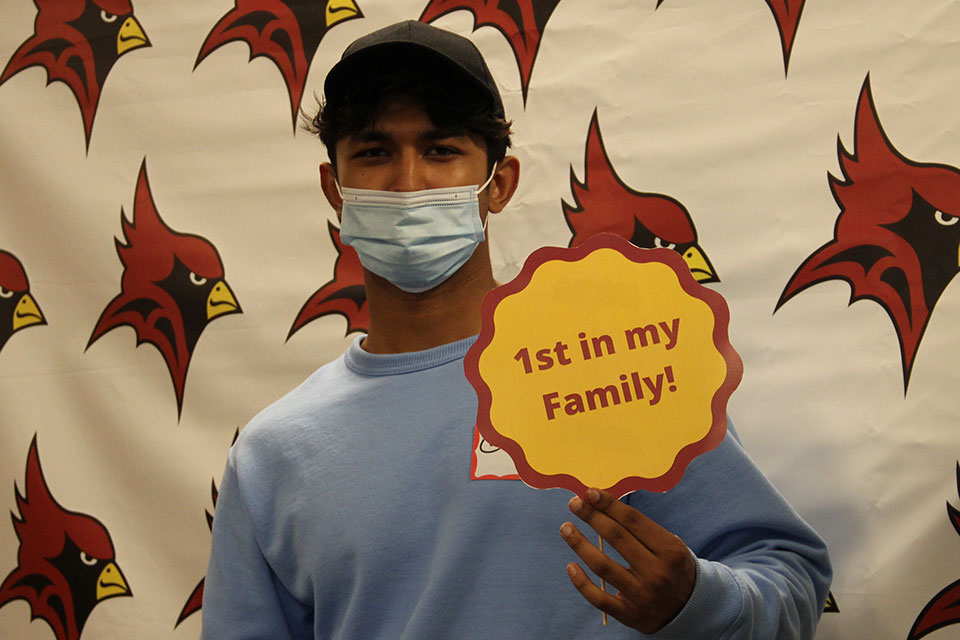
(412, 42)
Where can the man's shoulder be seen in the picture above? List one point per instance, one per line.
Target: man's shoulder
(296, 410)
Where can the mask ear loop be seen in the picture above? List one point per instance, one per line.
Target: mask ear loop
(480, 189)
(487, 182)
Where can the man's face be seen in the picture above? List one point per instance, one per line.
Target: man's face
(403, 150)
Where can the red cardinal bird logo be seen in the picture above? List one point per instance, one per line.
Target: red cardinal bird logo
(66, 564)
(603, 203)
(18, 309)
(195, 602)
(520, 21)
(78, 42)
(172, 286)
(787, 14)
(944, 609)
(344, 295)
(896, 240)
(288, 32)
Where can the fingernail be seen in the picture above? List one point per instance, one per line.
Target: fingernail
(576, 503)
(593, 496)
(566, 530)
(571, 570)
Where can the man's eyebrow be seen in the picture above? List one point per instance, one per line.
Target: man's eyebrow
(442, 134)
(370, 135)
(377, 135)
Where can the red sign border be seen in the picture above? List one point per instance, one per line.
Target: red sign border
(718, 403)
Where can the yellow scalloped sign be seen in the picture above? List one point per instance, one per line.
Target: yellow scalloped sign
(603, 366)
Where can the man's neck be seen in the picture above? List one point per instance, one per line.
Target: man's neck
(401, 322)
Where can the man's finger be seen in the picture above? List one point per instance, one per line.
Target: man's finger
(632, 548)
(602, 600)
(649, 533)
(602, 565)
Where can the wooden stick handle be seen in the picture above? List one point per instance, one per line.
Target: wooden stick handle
(603, 584)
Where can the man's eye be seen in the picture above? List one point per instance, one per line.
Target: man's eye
(372, 152)
(443, 151)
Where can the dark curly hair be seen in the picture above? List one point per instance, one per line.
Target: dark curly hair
(451, 101)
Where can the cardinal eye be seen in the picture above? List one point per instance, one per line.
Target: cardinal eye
(6, 293)
(660, 243)
(197, 280)
(108, 17)
(945, 218)
(87, 560)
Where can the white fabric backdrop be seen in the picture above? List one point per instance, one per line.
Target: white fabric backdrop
(692, 101)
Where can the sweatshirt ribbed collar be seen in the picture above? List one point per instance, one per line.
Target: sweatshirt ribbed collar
(388, 364)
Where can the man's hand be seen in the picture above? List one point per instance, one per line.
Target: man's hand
(661, 571)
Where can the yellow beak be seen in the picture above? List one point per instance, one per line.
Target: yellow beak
(26, 313)
(221, 301)
(111, 583)
(340, 10)
(699, 265)
(131, 36)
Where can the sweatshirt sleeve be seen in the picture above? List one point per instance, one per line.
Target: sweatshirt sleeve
(762, 572)
(743, 603)
(242, 596)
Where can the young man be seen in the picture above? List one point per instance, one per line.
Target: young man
(346, 509)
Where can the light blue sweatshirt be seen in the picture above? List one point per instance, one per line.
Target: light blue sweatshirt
(347, 511)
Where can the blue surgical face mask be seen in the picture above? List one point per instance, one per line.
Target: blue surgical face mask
(414, 239)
